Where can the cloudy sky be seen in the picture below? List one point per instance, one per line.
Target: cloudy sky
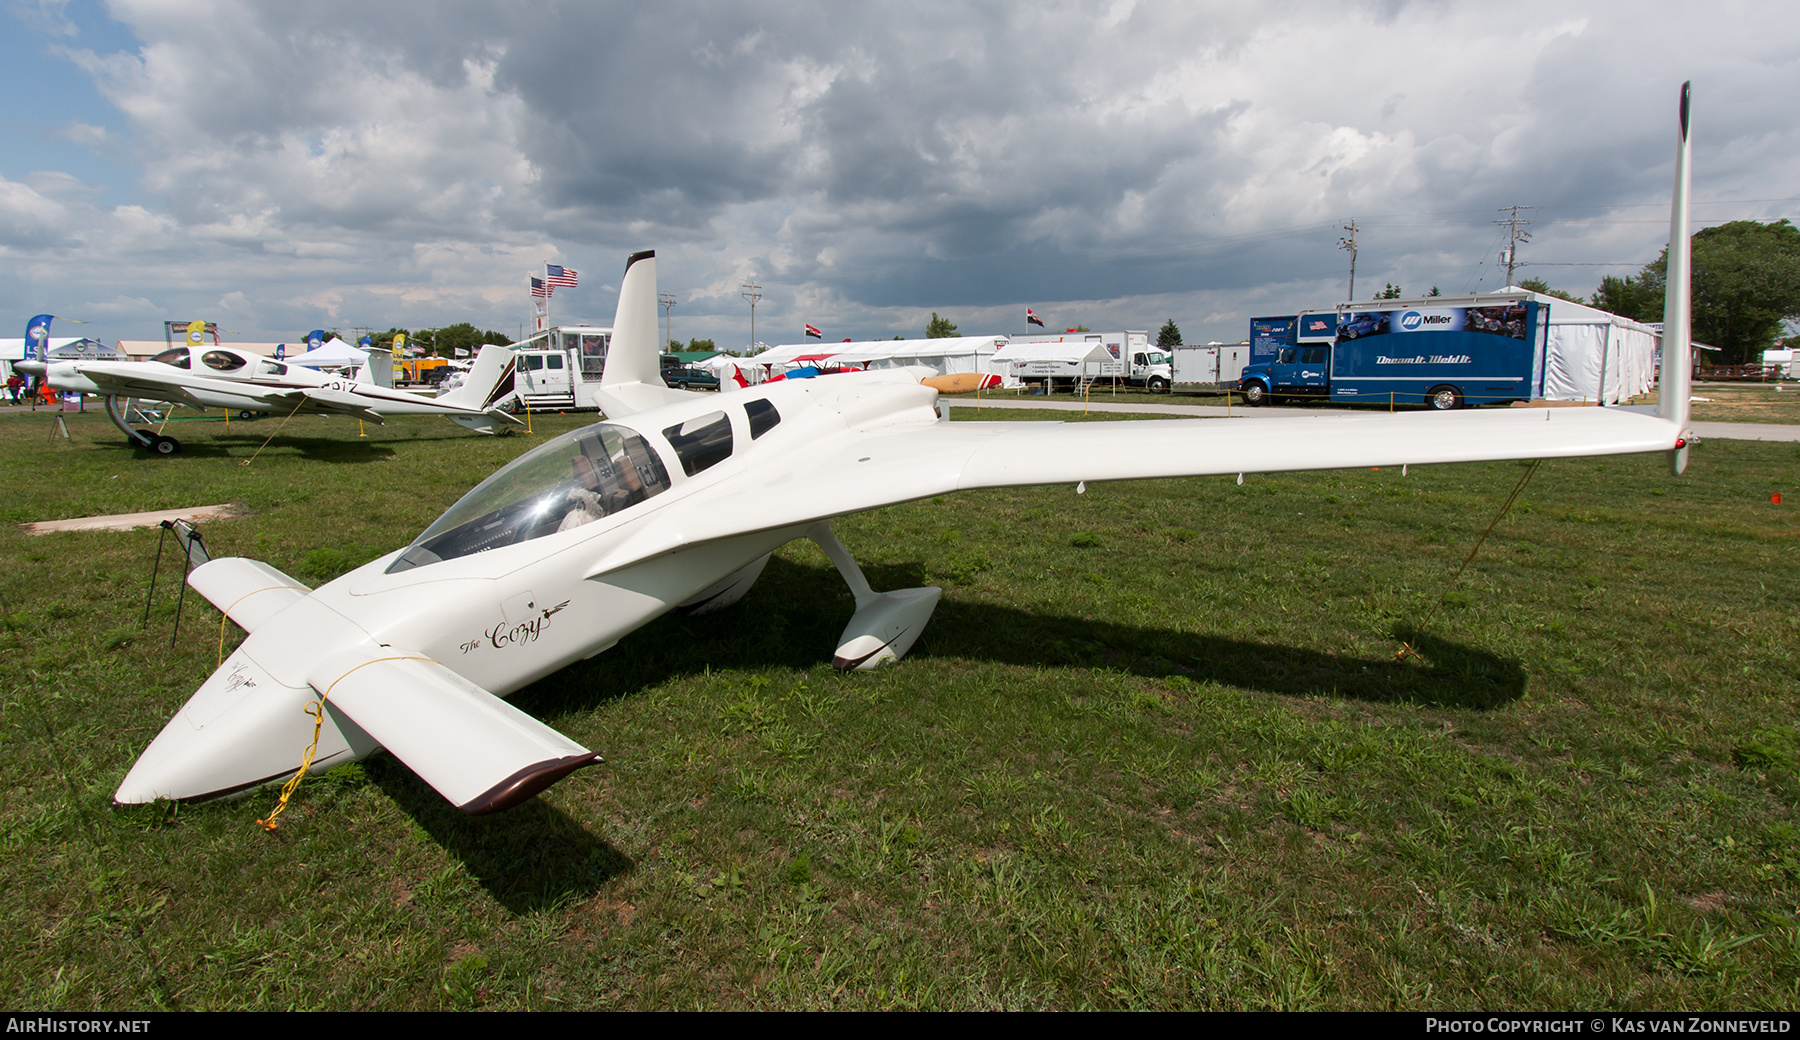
(280, 167)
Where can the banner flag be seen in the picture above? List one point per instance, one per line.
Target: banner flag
(37, 337)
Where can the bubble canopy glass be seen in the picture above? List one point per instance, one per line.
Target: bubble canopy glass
(577, 478)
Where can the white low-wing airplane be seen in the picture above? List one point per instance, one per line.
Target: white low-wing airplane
(222, 377)
(675, 502)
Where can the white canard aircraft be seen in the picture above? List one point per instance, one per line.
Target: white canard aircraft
(675, 502)
(200, 376)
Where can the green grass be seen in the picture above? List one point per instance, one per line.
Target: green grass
(1154, 751)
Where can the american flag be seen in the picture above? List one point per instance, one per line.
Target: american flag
(814, 333)
(540, 290)
(1031, 316)
(555, 275)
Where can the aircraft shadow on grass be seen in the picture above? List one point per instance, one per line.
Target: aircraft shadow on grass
(529, 859)
(536, 855)
(239, 446)
(793, 617)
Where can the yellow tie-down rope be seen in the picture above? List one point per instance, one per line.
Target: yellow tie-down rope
(1406, 649)
(317, 710)
(277, 429)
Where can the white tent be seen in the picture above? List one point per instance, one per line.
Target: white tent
(333, 354)
(87, 350)
(722, 365)
(1592, 355)
(1068, 359)
(13, 348)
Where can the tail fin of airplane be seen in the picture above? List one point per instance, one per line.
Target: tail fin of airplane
(490, 380)
(379, 369)
(632, 380)
(737, 376)
(1673, 388)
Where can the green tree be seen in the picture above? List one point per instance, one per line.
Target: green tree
(463, 336)
(385, 340)
(939, 328)
(459, 337)
(1434, 292)
(1169, 335)
(1538, 285)
(698, 345)
(1746, 285)
(1639, 297)
(1392, 292)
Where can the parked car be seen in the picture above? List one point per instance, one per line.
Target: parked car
(679, 375)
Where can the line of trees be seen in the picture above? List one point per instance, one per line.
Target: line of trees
(443, 342)
(1746, 288)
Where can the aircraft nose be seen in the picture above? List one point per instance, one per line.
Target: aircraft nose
(241, 729)
(35, 369)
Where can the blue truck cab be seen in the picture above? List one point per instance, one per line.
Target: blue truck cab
(1441, 353)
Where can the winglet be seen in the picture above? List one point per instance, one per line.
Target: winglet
(378, 370)
(1673, 389)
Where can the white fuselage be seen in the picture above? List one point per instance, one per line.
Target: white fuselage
(505, 617)
(463, 611)
(212, 376)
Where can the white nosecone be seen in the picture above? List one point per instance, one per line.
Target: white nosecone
(241, 729)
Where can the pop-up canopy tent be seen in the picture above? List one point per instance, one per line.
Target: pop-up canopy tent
(1067, 359)
(335, 353)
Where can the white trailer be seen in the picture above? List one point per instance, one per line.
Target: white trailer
(1216, 364)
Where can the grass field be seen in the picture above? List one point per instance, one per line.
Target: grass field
(1154, 751)
(1747, 402)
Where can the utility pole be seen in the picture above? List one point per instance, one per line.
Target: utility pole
(668, 305)
(752, 292)
(1513, 224)
(1350, 244)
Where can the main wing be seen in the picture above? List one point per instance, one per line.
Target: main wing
(893, 464)
(153, 382)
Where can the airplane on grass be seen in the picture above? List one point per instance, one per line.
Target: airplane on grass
(199, 376)
(675, 503)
